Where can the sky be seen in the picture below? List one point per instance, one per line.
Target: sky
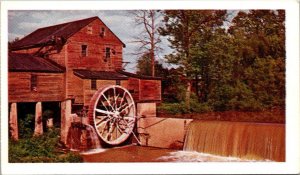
(22, 23)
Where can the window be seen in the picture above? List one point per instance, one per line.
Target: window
(83, 50)
(89, 30)
(33, 83)
(118, 82)
(107, 53)
(93, 84)
(102, 32)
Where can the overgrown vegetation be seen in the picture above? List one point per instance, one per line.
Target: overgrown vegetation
(44, 148)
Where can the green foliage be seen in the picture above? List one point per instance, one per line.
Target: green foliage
(172, 108)
(182, 108)
(26, 126)
(40, 149)
(144, 67)
(239, 69)
(197, 107)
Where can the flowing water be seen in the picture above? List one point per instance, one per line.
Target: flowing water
(82, 137)
(252, 141)
(93, 137)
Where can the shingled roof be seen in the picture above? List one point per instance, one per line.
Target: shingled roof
(139, 76)
(18, 62)
(44, 35)
(100, 75)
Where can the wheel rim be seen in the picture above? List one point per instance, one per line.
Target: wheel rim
(114, 114)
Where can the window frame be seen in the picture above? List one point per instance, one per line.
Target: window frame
(33, 82)
(102, 32)
(93, 84)
(84, 50)
(107, 53)
(118, 82)
(90, 29)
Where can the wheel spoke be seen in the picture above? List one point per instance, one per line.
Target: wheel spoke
(122, 106)
(108, 102)
(104, 105)
(104, 112)
(116, 102)
(129, 118)
(105, 122)
(118, 127)
(101, 120)
(110, 131)
(122, 99)
(127, 107)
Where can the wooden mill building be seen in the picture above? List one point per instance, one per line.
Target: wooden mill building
(64, 65)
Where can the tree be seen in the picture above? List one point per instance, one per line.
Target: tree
(149, 38)
(144, 67)
(242, 68)
(10, 43)
(261, 34)
(186, 30)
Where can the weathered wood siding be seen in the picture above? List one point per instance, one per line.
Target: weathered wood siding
(150, 90)
(74, 87)
(49, 87)
(90, 36)
(133, 87)
(145, 90)
(88, 92)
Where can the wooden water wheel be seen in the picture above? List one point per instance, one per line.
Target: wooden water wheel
(112, 113)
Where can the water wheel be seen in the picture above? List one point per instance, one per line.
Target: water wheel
(112, 113)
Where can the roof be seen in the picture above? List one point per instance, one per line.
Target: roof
(102, 75)
(18, 62)
(45, 35)
(139, 76)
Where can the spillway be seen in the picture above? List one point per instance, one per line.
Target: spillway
(254, 141)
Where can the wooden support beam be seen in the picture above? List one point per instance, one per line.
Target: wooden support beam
(66, 107)
(38, 129)
(13, 121)
(50, 123)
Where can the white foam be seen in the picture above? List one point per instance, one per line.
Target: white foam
(93, 151)
(193, 156)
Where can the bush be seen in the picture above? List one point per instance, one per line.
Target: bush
(172, 108)
(238, 97)
(43, 148)
(26, 126)
(197, 107)
(182, 108)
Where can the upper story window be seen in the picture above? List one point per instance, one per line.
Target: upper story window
(33, 82)
(107, 53)
(102, 32)
(84, 50)
(93, 84)
(90, 30)
(118, 82)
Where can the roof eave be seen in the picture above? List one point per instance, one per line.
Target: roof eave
(35, 71)
(89, 78)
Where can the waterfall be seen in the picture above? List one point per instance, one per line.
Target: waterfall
(256, 141)
(82, 137)
(93, 136)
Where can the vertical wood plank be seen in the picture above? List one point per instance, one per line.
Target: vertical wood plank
(38, 129)
(13, 121)
(65, 119)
